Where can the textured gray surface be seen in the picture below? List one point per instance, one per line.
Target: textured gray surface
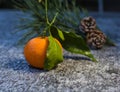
(71, 75)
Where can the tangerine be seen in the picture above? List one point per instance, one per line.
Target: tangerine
(35, 51)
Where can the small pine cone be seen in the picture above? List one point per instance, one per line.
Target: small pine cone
(96, 39)
(87, 24)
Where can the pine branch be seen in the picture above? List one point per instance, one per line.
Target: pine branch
(68, 16)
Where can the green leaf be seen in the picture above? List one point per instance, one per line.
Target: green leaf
(59, 32)
(54, 54)
(39, 1)
(74, 44)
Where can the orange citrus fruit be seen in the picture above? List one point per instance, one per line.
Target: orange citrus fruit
(35, 51)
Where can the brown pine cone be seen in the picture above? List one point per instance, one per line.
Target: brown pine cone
(87, 24)
(96, 39)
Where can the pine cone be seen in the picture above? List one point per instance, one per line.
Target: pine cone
(96, 39)
(87, 24)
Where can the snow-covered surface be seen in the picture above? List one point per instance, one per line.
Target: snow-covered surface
(72, 75)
